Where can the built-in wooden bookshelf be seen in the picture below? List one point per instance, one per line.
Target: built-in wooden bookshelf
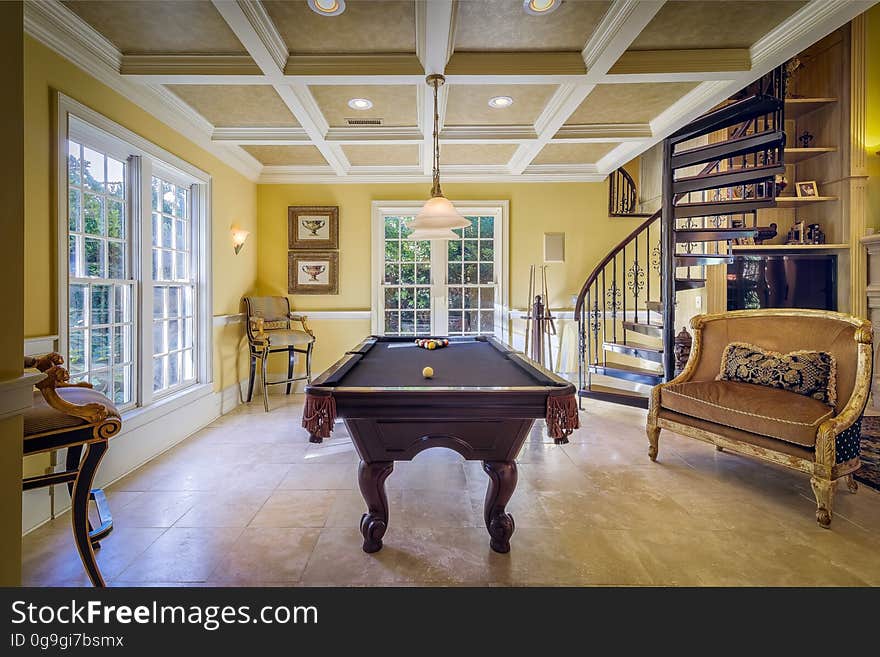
(797, 155)
(787, 200)
(795, 108)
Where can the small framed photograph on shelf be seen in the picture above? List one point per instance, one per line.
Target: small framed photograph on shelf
(313, 272)
(313, 227)
(807, 189)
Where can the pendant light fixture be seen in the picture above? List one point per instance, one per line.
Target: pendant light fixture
(438, 216)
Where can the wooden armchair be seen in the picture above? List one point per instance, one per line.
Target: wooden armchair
(270, 329)
(772, 424)
(72, 416)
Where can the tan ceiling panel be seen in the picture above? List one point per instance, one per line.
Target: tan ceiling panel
(573, 153)
(628, 103)
(159, 26)
(233, 106)
(468, 104)
(382, 155)
(713, 24)
(364, 26)
(396, 105)
(286, 155)
(476, 153)
(503, 25)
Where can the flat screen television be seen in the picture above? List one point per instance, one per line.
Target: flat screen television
(782, 281)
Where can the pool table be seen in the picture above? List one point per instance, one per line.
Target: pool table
(481, 402)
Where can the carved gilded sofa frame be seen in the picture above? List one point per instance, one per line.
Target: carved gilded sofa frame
(826, 466)
(99, 424)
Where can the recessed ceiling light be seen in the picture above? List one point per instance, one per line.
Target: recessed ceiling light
(328, 7)
(500, 102)
(540, 7)
(360, 103)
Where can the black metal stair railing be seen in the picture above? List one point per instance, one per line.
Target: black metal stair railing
(623, 197)
(615, 296)
(701, 212)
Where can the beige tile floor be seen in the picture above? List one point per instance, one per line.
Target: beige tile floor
(248, 501)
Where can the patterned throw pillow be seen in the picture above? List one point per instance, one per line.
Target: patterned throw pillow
(809, 373)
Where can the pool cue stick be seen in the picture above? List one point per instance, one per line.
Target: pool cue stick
(529, 308)
(548, 318)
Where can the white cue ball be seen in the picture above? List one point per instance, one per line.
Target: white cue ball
(428, 372)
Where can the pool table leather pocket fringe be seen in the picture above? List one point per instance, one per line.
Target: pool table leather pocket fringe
(319, 415)
(562, 417)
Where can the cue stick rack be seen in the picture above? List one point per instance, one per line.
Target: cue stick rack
(540, 323)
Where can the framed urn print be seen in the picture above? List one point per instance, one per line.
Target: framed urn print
(312, 272)
(313, 227)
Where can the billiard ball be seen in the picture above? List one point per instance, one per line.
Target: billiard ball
(428, 372)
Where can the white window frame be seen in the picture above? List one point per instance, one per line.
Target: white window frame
(500, 210)
(80, 123)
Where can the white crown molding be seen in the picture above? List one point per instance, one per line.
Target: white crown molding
(182, 65)
(54, 25)
(58, 28)
(274, 175)
(487, 134)
(261, 136)
(374, 135)
(603, 132)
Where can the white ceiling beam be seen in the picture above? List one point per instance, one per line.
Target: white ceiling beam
(256, 32)
(620, 26)
(436, 36)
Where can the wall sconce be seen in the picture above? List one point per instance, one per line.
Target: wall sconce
(239, 236)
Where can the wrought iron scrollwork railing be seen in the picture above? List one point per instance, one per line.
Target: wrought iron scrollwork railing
(618, 290)
(623, 197)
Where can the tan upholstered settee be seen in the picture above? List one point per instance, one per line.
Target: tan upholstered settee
(776, 425)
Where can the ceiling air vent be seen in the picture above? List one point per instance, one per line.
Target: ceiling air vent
(360, 122)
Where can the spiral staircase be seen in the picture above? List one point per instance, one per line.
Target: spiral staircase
(718, 171)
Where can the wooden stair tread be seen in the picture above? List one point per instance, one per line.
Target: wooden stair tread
(751, 143)
(616, 395)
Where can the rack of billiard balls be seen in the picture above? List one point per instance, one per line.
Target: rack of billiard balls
(432, 343)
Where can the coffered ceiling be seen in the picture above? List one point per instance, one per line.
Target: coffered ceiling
(267, 85)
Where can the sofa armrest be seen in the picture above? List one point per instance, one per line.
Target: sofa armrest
(57, 377)
(826, 436)
(685, 375)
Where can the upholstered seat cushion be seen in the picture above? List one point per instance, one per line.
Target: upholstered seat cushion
(42, 418)
(285, 338)
(765, 411)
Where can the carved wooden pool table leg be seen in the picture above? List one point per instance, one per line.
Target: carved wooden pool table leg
(371, 479)
(502, 483)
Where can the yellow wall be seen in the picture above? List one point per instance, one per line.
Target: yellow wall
(577, 209)
(234, 199)
(12, 275)
(872, 136)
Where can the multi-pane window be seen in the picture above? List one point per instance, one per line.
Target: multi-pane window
(174, 286)
(407, 283)
(471, 278)
(101, 346)
(133, 320)
(439, 287)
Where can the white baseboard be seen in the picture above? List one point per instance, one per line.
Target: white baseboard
(134, 447)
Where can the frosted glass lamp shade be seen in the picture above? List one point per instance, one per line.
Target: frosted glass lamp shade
(438, 212)
(432, 234)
